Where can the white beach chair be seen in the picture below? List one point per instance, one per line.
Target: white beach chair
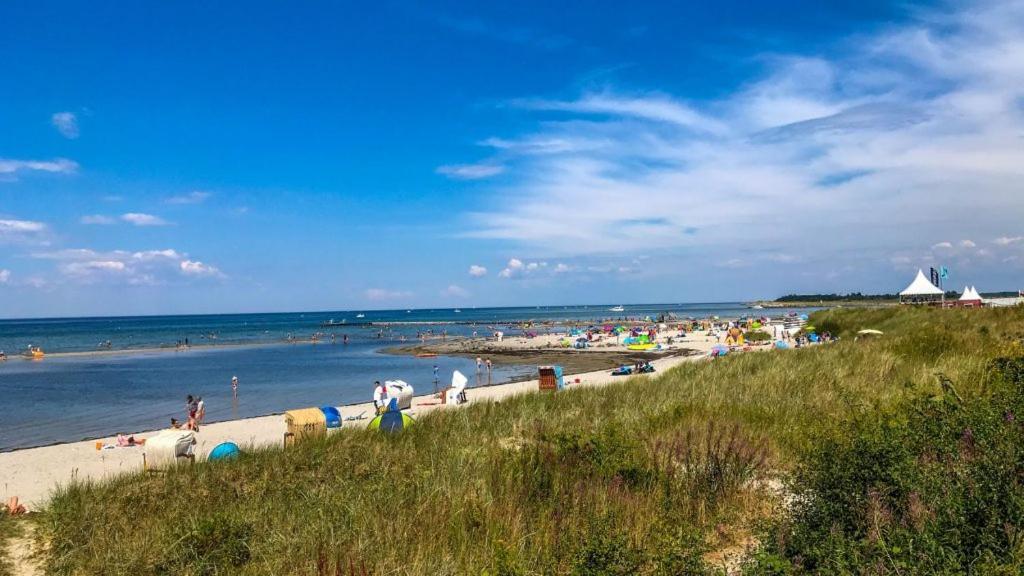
(457, 393)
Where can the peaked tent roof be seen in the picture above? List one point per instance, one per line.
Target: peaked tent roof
(968, 295)
(974, 293)
(921, 286)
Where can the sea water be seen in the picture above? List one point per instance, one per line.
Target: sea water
(68, 397)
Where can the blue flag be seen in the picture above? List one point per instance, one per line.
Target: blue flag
(943, 272)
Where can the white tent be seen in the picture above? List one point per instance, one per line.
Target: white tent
(970, 295)
(921, 286)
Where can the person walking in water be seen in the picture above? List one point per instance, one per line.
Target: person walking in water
(234, 385)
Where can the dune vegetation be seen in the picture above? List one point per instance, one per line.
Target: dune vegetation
(848, 457)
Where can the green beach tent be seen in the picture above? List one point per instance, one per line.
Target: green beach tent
(393, 420)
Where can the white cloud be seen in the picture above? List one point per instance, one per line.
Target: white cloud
(97, 219)
(654, 107)
(92, 270)
(942, 246)
(194, 197)
(138, 219)
(560, 268)
(58, 165)
(1007, 240)
(477, 271)
(5, 276)
(66, 123)
(383, 294)
(513, 267)
(874, 142)
(967, 244)
(143, 267)
(454, 291)
(470, 171)
(22, 231)
(197, 268)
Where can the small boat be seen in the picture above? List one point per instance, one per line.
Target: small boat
(457, 311)
(617, 309)
(35, 353)
(360, 315)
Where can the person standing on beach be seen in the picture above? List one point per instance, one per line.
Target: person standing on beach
(200, 412)
(191, 408)
(380, 395)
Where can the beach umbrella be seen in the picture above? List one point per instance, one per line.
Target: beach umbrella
(870, 332)
(393, 420)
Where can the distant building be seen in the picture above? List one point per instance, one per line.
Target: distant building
(921, 291)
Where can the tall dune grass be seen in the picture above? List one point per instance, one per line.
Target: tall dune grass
(644, 476)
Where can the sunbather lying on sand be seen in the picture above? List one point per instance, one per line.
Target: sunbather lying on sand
(14, 508)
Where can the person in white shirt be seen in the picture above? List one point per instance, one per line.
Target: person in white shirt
(380, 395)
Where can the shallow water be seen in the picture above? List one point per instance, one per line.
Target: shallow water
(72, 398)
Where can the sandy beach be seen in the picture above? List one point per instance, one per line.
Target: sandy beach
(32, 474)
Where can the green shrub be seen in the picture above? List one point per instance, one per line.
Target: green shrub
(933, 486)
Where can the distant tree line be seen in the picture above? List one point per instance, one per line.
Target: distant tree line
(857, 296)
(835, 297)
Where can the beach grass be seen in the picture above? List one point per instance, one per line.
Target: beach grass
(9, 529)
(662, 475)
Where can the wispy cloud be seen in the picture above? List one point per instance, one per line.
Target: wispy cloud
(10, 166)
(470, 171)
(97, 219)
(22, 231)
(654, 107)
(874, 143)
(385, 294)
(5, 276)
(455, 291)
(194, 197)
(139, 219)
(66, 123)
(514, 35)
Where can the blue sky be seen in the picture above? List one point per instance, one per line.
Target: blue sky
(199, 157)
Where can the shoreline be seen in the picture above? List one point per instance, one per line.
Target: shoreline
(33, 473)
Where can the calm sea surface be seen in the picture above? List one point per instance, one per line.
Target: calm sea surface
(66, 398)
